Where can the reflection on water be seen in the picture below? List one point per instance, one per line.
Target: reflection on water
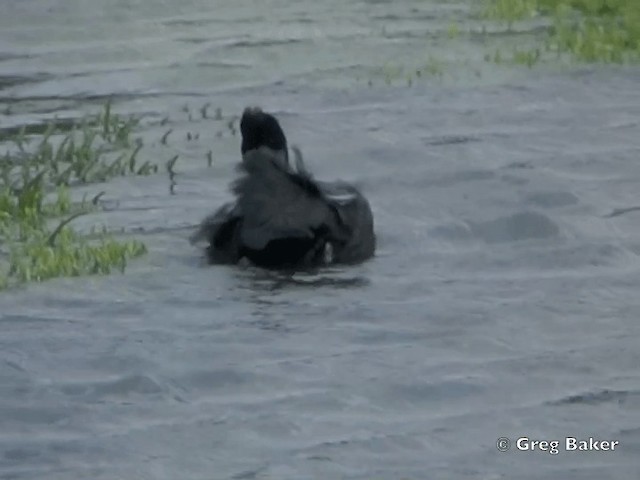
(498, 292)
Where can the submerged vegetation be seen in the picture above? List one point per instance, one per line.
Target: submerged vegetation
(586, 30)
(38, 167)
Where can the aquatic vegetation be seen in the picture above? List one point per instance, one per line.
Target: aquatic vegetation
(37, 173)
(453, 31)
(605, 31)
(203, 110)
(164, 138)
(172, 174)
(586, 30)
(511, 11)
(391, 73)
(69, 254)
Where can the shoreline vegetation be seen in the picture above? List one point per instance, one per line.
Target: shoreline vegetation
(39, 166)
(531, 32)
(606, 31)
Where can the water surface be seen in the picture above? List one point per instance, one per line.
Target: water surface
(502, 300)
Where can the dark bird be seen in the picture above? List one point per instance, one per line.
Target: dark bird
(282, 216)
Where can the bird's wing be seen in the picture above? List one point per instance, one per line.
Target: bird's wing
(355, 217)
(220, 230)
(209, 227)
(277, 201)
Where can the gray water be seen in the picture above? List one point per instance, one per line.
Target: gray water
(503, 299)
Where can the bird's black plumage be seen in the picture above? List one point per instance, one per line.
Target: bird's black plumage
(282, 216)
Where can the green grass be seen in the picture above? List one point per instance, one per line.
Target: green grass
(37, 172)
(585, 30)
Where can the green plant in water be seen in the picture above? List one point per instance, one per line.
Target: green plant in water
(526, 57)
(611, 35)
(587, 30)
(68, 255)
(35, 188)
(90, 152)
(511, 11)
(433, 67)
(453, 31)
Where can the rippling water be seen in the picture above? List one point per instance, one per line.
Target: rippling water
(502, 301)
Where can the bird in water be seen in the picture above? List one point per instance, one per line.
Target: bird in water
(282, 217)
